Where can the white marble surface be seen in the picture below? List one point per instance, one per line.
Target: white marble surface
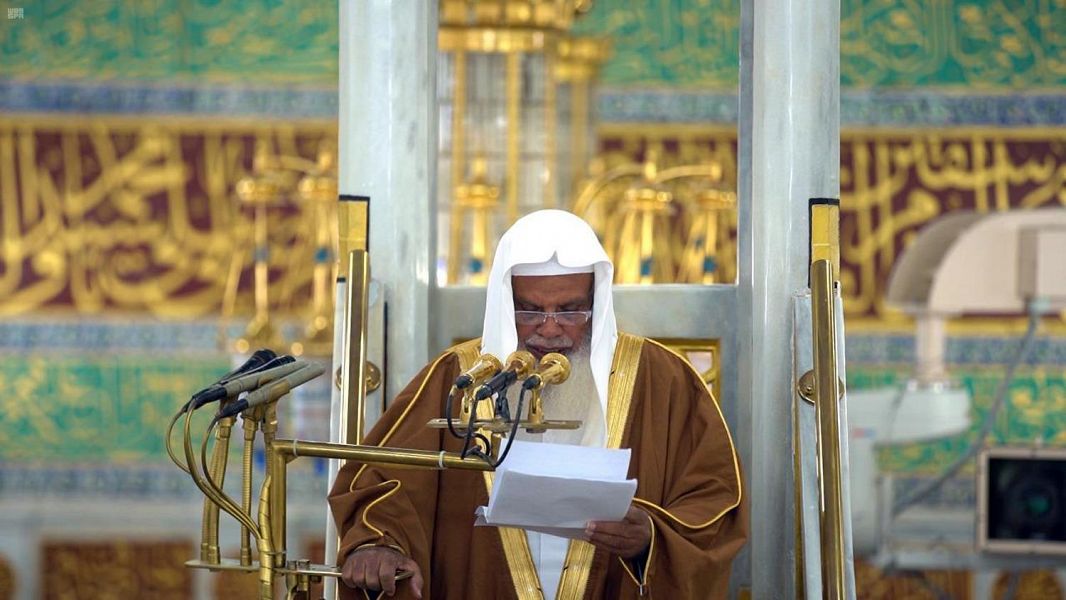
(388, 145)
(789, 145)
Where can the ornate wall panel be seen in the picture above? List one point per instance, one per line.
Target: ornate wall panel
(676, 43)
(125, 215)
(86, 409)
(1035, 409)
(977, 44)
(121, 569)
(892, 183)
(256, 42)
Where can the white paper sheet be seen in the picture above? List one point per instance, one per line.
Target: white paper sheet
(557, 488)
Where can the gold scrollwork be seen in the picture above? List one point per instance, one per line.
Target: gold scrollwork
(893, 182)
(135, 215)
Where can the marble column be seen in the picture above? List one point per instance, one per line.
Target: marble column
(789, 152)
(388, 153)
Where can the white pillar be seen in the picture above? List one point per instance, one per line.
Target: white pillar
(789, 152)
(388, 151)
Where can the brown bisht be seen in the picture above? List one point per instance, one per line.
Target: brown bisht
(688, 481)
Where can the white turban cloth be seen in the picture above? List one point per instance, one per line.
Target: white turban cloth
(551, 242)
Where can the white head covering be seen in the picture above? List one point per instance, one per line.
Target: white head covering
(551, 242)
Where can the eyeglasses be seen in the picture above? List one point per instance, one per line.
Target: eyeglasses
(569, 318)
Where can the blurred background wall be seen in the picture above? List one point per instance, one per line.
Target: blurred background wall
(128, 248)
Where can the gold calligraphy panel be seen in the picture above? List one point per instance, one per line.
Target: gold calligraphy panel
(893, 182)
(119, 569)
(140, 215)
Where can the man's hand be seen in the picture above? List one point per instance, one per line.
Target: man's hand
(374, 568)
(626, 538)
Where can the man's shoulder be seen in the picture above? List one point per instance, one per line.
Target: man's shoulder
(465, 352)
(659, 357)
(650, 349)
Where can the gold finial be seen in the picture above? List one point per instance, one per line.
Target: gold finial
(479, 170)
(651, 170)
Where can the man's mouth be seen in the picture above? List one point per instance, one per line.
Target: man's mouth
(539, 352)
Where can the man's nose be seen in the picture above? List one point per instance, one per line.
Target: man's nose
(549, 328)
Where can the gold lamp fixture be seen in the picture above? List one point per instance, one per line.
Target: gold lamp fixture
(667, 225)
(479, 200)
(515, 89)
(280, 183)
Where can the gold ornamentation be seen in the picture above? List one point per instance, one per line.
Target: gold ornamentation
(512, 79)
(660, 225)
(138, 215)
(579, 554)
(74, 569)
(893, 182)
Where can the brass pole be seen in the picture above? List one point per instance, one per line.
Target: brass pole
(514, 89)
(278, 462)
(261, 266)
(246, 487)
(201, 481)
(550, 168)
(455, 235)
(353, 366)
(579, 130)
(426, 459)
(827, 395)
(266, 546)
(218, 474)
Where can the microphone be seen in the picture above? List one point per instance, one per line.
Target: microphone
(487, 365)
(554, 369)
(519, 365)
(256, 360)
(275, 390)
(280, 366)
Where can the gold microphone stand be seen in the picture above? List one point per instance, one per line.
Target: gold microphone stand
(270, 527)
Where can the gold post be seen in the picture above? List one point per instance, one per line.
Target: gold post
(261, 265)
(549, 129)
(514, 91)
(827, 394)
(353, 366)
(579, 129)
(246, 487)
(278, 462)
(825, 233)
(266, 545)
(455, 235)
(218, 474)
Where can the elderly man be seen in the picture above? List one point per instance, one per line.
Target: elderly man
(550, 291)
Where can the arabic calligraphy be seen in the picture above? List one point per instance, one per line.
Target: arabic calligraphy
(283, 42)
(76, 568)
(678, 43)
(129, 215)
(93, 408)
(893, 182)
(884, 43)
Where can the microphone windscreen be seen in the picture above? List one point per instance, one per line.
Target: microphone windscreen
(258, 358)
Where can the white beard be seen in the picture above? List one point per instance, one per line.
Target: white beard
(575, 399)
